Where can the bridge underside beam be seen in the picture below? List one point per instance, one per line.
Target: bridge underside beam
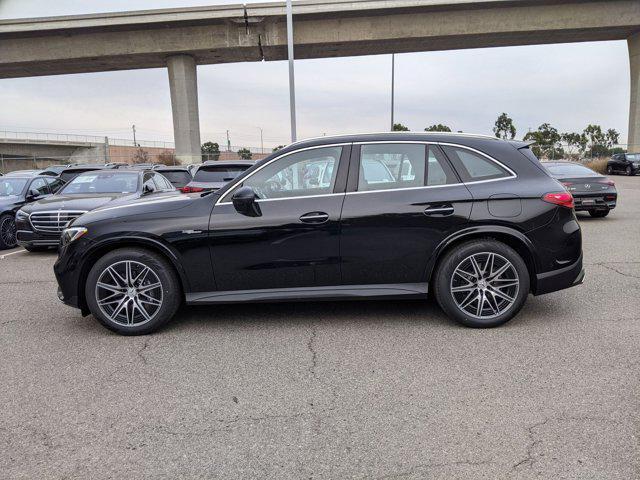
(261, 35)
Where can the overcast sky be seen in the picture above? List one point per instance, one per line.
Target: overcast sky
(567, 85)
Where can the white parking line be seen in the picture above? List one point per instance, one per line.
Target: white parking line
(12, 253)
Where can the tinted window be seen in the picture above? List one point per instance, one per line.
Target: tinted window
(311, 172)
(391, 165)
(219, 174)
(71, 174)
(569, 169)
(39, 184)
(55, 184)
(162, 184)
(11, 186)
(634, 157)
(102, 182)
(178, 178)
(472, 166)
(439, 171)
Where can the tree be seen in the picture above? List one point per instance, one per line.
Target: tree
(210, 151)
(398, 127)
(575, 141)
(279, 147)
(613, 137)
(504, 127)
(245, 154)
(437, 128)
(547, 142)
(141, 156)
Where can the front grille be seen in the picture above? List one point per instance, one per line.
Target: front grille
(53, 222)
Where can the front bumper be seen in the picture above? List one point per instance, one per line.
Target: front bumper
(566, 277)
(29, 238)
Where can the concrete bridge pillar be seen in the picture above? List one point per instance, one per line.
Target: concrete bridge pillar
(183, 84)
(634, 110)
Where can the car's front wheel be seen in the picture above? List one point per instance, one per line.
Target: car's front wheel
(609, 170)
(482, 283)
(133, 291)
(7, 231)
(629, 171)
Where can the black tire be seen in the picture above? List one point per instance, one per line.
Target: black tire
(629, 171)
(599, 213)
(453, 259)
(36, 249)
(171, 292)
(609, 170)
(7, 231)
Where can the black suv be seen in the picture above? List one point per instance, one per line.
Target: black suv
(475, 220)
(627, 163)
(16, 191)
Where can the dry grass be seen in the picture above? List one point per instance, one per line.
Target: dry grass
(598, 164)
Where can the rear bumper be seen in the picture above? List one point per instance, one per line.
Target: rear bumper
(585, 203)
(566, 277)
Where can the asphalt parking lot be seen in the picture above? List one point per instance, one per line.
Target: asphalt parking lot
(331, 390)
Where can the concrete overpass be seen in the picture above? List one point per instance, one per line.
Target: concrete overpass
(181, 39)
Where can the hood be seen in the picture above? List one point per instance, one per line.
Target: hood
(76, 202)
(161, 202)
(9, 201)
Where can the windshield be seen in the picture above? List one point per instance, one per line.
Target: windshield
(102, 182)
(569, 169)
(11, 186)
(178, 178)
(219, 174)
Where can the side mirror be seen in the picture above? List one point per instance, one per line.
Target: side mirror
(33, 193)
(146, 189)
(244, 201)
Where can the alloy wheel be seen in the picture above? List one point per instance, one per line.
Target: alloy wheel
(129, 293)
(485, 285)
(8, 231)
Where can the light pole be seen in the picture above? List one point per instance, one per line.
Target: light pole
(292, 81)
(393, 86)
(261, 140)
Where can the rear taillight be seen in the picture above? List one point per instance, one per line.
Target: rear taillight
(563, 199)
(191, 189)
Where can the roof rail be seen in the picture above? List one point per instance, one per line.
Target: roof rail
(478, 135)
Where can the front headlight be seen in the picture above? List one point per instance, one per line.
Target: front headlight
(22, 215)
(72, 234)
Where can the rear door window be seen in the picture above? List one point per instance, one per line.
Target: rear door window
(474, 167)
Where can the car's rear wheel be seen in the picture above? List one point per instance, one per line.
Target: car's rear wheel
(599, 213)
(133, 291)
(482, 283)
(7, 231)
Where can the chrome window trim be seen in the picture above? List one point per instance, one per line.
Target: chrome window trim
(360, 192)
(220, 202)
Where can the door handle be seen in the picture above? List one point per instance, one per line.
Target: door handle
(443, 210)
(315, 217)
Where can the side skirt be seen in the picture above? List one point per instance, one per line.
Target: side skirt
(339, 292)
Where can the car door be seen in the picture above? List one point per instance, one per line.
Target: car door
(403, 199)
(294, 239)
(40, 185)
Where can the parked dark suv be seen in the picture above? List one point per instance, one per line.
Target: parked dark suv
(627, 163)
(475, 220)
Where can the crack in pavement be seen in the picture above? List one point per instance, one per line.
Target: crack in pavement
(529, 457)
(428, 466)
(608, 266)
(140, 354)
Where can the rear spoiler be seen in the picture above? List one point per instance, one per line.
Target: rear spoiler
(519, 145)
